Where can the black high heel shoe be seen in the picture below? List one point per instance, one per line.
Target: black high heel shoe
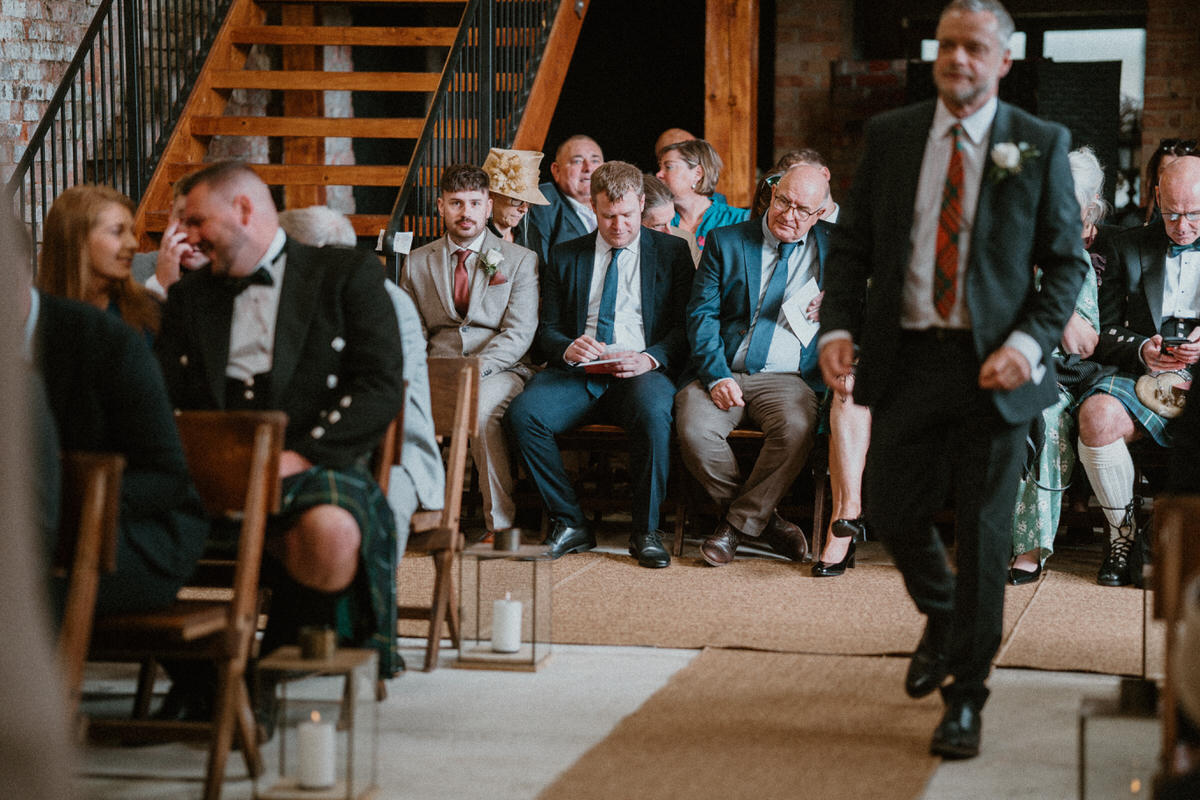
(826, 569)
(853, 529)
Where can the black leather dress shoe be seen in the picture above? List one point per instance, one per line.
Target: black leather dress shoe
(565, 539)
(186, 702)
(1115, 569)
(785, 538)
(719, 548)
(957, 736)
(930, 663)
(648, 549)
(1019, 577)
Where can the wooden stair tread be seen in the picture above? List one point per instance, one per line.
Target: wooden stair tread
(351, 127)
(312, 174)
(317, 80)
(364, 224)
(314, 35)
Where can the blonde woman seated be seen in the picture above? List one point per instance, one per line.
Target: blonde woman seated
(691, 170)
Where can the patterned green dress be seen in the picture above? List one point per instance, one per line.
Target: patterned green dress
(1036, 519)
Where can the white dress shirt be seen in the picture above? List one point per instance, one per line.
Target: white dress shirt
(585, 212)
(785, 350)
(1181, 285)
(252, 331)
(629, 332)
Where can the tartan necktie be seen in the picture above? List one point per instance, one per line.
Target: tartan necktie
(945, 274)
(462, 283)
(606, 317)
(768, 311)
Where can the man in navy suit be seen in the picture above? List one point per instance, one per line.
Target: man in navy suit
(954, 203)
(751, 326)
(615, 296)
(569, 214)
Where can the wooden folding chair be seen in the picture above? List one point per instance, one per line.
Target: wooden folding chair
(87, 547)
(233, 457)
(1176, 563)
(454, 402)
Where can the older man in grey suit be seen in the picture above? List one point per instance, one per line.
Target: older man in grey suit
(477, 295)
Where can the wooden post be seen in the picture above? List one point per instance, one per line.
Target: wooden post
(543, 97)
(302, 103)
(731, 93)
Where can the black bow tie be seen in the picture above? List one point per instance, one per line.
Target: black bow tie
(260, 276)
(1176, 249)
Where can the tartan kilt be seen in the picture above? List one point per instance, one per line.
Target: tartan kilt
(1123, 387)
(366, 611)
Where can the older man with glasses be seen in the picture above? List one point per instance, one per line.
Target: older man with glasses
(1149, 326)
(751, 325)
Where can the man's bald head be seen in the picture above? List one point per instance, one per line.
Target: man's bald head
(1179, 197)
(670, 136)
(797, 201)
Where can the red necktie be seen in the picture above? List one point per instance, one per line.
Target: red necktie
(462, 283)
(945, 274)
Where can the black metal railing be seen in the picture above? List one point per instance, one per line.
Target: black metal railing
(118, 101)
(478, 104)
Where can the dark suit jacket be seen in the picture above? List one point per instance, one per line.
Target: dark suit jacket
(725, 295)
(666, 269)
(337, 370)
(554, 224)
(1028, 218)
(106, 394)
(1131, 295)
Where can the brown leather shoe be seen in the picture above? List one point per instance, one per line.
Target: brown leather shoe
(785, 538)
(718, 549)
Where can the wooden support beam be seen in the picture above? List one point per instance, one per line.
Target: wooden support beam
(302, 103)
(543, 96)
(731, 93)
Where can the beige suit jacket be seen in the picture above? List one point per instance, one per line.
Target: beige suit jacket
(502, 315)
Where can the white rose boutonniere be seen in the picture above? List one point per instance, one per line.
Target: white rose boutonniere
(1008, 158)
(491, 261)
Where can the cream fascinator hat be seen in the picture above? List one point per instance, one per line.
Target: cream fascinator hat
(514, 173)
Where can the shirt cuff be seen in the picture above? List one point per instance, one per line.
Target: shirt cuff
(832, 336)
(713, 385)
(653, 360)
(154, 286)
(1027, 346)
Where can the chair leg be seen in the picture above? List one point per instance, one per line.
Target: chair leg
(145, 688)
(442, 560)
(222, 732)
(247, 731)
(818, 535)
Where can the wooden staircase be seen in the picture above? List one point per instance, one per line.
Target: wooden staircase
(291, 36)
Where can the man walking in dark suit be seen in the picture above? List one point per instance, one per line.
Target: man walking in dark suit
(954, 203)
(569, 214)
(751, 328)
(276, 324)
(615, 296)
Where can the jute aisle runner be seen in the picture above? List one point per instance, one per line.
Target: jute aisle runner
(737, 724)
(1063, 622)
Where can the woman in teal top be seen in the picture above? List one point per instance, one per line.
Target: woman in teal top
(691, 170)
(1039, 497)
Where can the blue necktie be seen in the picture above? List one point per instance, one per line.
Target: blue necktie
(608, 301)
(768, 311)
(1176, 249)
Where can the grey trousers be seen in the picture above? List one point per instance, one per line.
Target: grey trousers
(784, 407)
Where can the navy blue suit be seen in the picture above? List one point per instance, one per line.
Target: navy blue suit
(725, 295)
(558, 398)
(553, 224)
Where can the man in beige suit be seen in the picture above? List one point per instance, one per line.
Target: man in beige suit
(478, 296)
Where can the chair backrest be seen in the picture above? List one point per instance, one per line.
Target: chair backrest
(454, 401)
(233, 457)
(87, 546)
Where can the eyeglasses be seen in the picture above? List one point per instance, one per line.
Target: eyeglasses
(1175, 216)
(1177, 147)
(784, 206)
(512, 201)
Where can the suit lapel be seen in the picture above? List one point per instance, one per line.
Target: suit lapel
(752, 263)
(984, 211)
(647, 265)
(441, 273)
(479, 277)
(910, 141)
(821, 241)
(584, 266)
(297, 299)
(1153, 254)
(212, 321)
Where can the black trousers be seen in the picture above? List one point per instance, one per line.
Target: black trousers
(936, 434)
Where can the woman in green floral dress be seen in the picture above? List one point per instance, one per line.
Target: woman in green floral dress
(1039, 496)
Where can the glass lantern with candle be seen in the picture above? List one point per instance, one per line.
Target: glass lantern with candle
(328, 728)
(505, 604)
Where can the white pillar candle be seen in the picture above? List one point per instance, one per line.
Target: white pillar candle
(316, 764)
(506, 625)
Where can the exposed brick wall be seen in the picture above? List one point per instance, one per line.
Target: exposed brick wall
(40, 38)
(1172, 106)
